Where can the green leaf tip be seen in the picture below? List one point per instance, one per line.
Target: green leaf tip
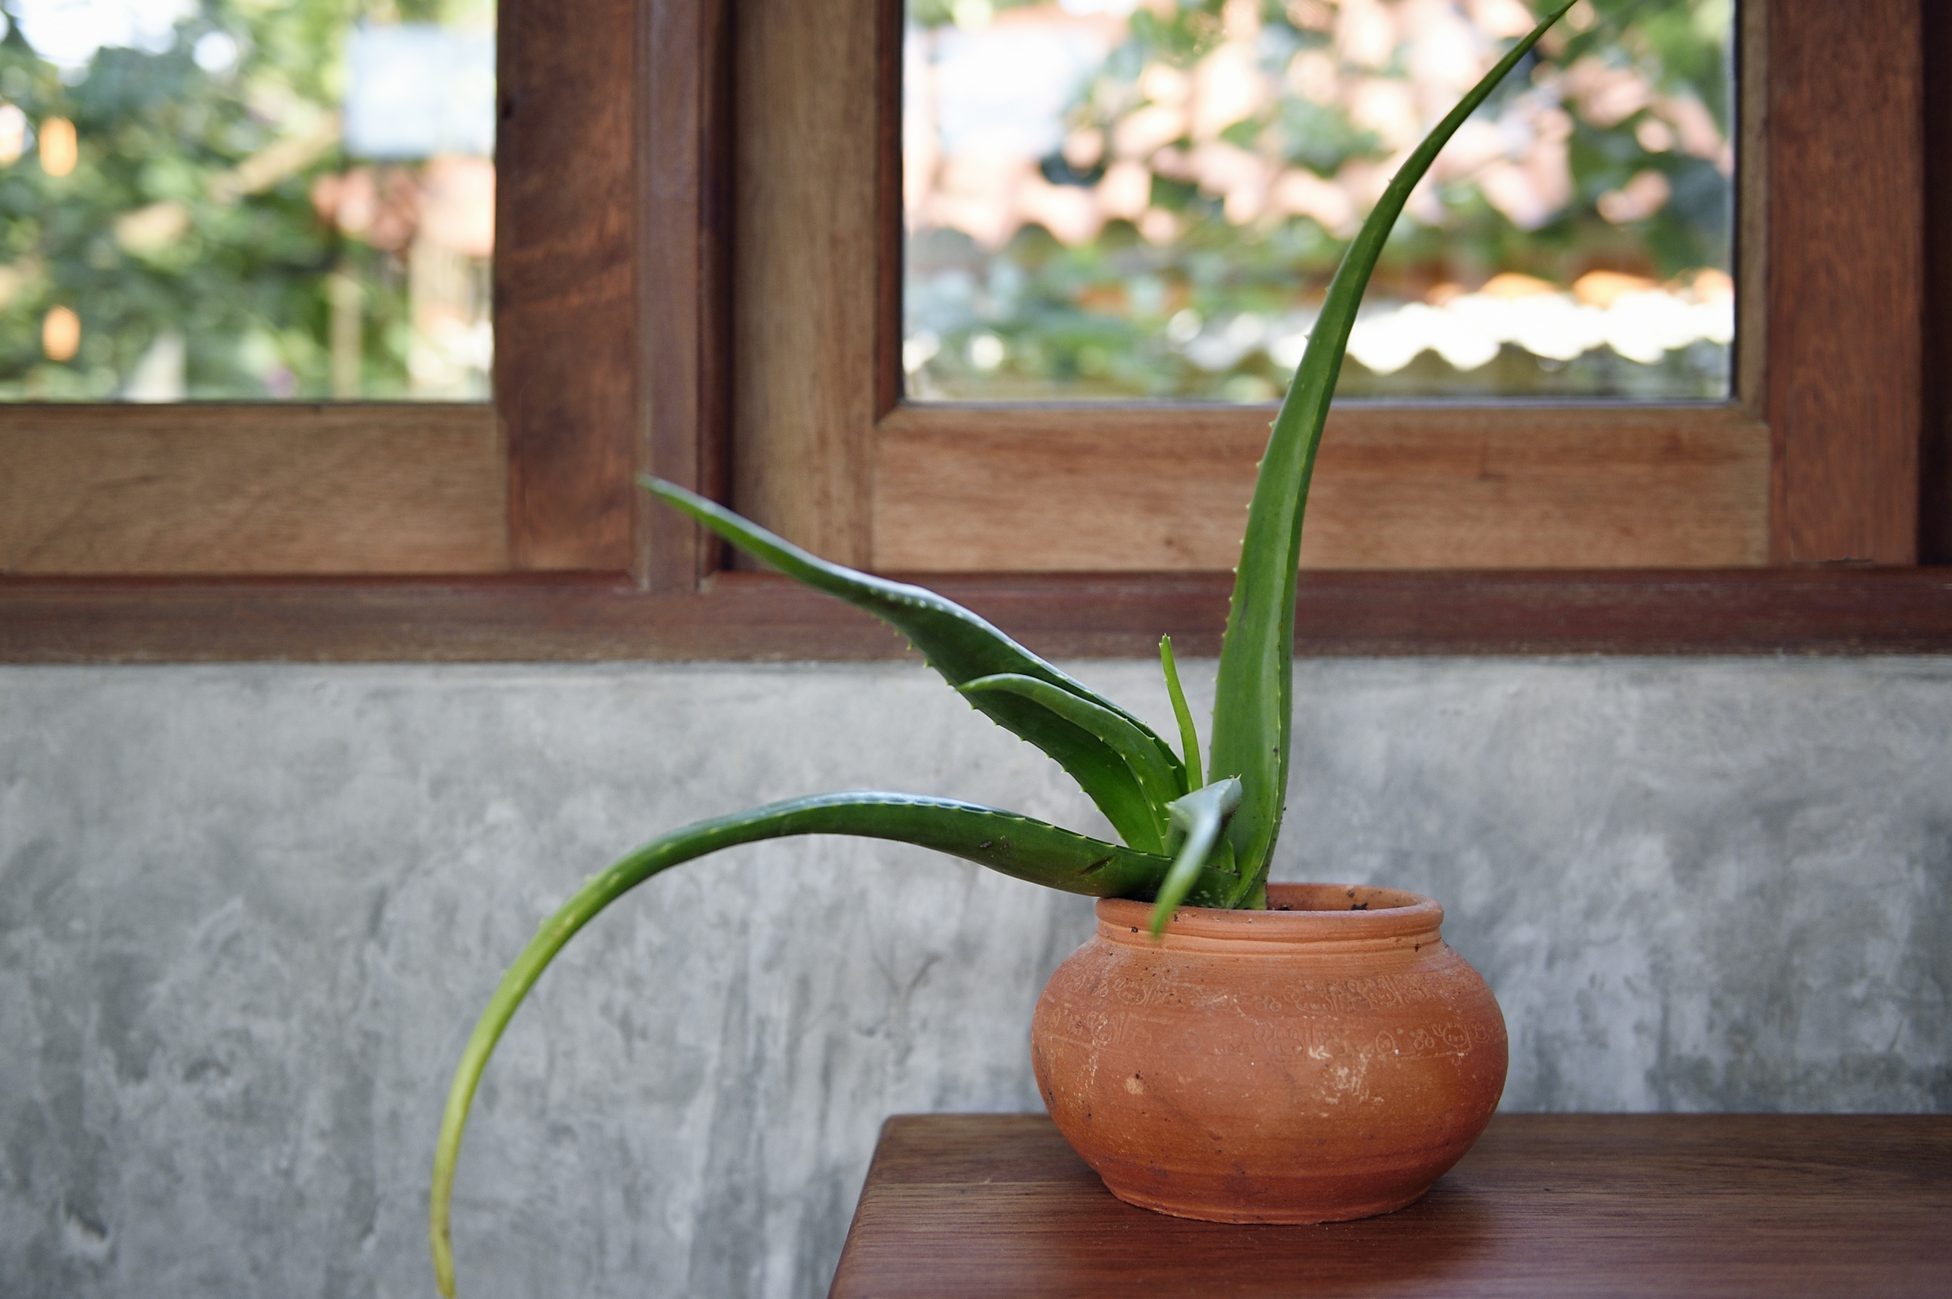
(962, 647)
(1012, 844)
(1189, 737)
(1253, 703)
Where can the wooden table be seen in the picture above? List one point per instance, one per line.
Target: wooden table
(962, 1206)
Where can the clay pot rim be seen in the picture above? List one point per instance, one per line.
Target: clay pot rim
(1296, 913)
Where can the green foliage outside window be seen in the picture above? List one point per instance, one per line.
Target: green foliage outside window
(187, 237)
(1200, 313)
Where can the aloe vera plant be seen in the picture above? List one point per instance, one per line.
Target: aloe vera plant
(1191, 832)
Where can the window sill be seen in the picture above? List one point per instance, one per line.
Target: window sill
(751, 616)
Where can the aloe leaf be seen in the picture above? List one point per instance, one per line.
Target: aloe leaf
(1160, 780)
(962, 647)
(1015, 845)
(1199, 817)
(1253, 696)
(1189, 736)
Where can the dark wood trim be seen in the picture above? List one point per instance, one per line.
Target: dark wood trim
(717, 198)
(745, 616)
(1846, 284)
(1750, 370)
(1935, 466)
(890, 32)
(565, 281)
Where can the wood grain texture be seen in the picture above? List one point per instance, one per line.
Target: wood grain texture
(988, 1206)
(1142, 488)
(761, 617)
(573, 275)
(566, 218)
(1133, 487)
(1846, 216)
(890, 231)
(804, 271)
(1750, 372)
(683, 307)
(250, 489)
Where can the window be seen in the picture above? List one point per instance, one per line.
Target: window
(248, 329)
(958, 489)
(232, 202)
(695, 274)
(1108, 200)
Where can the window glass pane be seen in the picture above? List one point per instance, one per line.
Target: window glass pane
(250, 199)
(1113, 199)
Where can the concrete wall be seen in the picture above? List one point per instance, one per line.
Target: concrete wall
(248, 914)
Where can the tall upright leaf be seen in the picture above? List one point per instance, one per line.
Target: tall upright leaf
(1253, 695)
(1189, 737)
(1015, 845)
(962, 647)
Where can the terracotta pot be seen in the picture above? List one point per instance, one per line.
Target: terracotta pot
(1325, 1059)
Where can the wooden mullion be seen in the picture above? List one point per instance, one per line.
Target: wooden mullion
(805, 270)
(683, 302)
(1935, 476)
(1846, 236)
(566, 328)
(890, 30)
(1750, 348)
(717, 310)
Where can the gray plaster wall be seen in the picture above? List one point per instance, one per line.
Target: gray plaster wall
(247, 915)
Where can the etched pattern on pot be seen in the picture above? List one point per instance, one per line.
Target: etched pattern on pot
(1326, 1059)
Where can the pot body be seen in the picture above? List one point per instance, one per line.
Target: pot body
(1325, 1059)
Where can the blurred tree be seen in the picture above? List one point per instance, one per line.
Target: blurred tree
(1192, 298)
(186, 233)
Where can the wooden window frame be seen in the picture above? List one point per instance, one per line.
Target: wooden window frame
(233, 489)
(960, 487)
(621, 305)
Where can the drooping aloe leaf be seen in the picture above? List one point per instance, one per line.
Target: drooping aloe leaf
(962, 647)
(1189, 736)
(1160, 780)
(1251, 715)
(1198, 817)
(1015, 845)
